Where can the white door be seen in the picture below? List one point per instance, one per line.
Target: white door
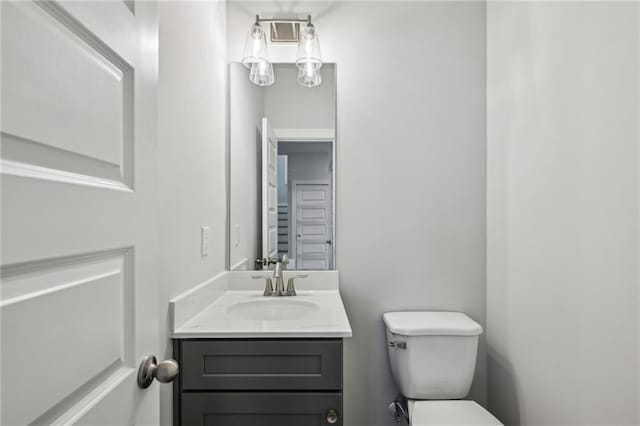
(79, 301)
(269, 191)
(312, 224)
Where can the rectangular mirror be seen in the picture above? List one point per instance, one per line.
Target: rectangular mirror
(282, 153)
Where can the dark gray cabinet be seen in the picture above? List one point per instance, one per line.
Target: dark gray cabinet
(259, 408)
(258, 382)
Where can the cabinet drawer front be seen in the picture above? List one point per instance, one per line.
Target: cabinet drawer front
(261, 364)
(259, 408)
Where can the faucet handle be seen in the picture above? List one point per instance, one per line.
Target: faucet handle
(268, 289)
(263, 263)
(291, 290)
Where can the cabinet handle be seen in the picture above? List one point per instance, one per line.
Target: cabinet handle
(332, 417)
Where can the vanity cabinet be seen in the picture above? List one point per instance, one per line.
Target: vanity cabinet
(258, 382)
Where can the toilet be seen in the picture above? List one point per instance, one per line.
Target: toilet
(433, 359)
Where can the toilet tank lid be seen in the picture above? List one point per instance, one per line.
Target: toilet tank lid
(431, 323)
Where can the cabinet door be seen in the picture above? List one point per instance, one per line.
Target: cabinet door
(260, 409)
(257, 365)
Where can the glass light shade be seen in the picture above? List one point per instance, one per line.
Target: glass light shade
(308, 48)
(255, 47)
(261, 73)
(309, 75)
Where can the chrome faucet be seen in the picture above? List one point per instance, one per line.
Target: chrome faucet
(278, 274)
(268, 289)
(291, 290)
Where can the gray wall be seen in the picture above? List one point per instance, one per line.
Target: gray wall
(283, 185)
(307, 166)
(191, 151)
(411, 169)
(562, 283)
(307, 160)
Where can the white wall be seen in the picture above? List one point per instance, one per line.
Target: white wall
(291, 106)
(246, 110)
(562, 282)
(410, 169)
(192, 127)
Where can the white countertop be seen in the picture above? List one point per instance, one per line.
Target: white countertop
(321, 312)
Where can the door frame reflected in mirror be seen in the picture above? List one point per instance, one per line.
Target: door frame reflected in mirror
(307, 136)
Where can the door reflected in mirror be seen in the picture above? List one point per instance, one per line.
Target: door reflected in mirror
(282, 162)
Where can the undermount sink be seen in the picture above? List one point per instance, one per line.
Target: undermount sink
(241, 311)
(272, 309)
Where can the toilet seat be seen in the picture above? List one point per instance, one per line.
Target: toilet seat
(449, 413)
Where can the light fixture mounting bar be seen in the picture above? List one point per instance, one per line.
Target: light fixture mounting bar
(283, 20)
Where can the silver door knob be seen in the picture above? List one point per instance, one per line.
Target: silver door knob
(163, 371)
(332, 417)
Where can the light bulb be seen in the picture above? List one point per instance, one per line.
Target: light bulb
(309, 49)
(308, 43)
(309, 75)
(255, 46)
(261, 73)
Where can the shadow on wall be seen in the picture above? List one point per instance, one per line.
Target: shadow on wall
(502, 393)
(368, 382)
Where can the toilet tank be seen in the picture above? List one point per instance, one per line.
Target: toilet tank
(432, 354)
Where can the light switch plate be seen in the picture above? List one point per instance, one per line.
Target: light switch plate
(204, 241)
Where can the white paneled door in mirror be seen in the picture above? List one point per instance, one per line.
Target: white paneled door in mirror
(312, 223)
(78, 300)
(269, 191)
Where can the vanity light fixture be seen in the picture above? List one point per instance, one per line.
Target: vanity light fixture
(308, 58)
(256, 58)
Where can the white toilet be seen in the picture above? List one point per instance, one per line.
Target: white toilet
(433, 358)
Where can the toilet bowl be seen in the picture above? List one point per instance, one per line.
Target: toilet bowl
(433, 360)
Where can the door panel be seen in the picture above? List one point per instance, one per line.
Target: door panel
(66, 66)
(78, 124)
(312, 204)
(269, 191)
(99, 329)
